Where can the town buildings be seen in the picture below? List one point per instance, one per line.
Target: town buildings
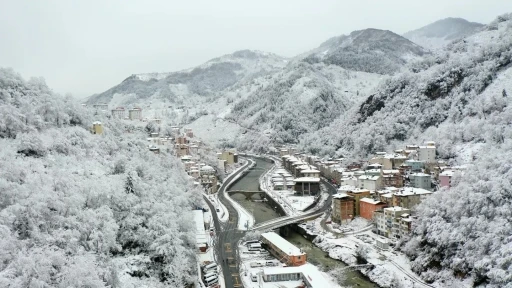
(409, 197)
(389, 222)
(283, 250)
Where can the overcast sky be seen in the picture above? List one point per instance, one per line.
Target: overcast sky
(86, 47)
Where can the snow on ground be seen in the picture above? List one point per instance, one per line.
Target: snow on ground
(357, 224)
(252, 262)
(389, 265)
(220, 209)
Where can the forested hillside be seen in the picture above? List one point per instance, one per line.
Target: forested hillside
(370, 50)
(298, 100)
(83, 210)
(461, 99)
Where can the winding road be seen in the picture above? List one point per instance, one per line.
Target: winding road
(228, 235)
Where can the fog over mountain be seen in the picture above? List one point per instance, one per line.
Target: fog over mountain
(442, 32)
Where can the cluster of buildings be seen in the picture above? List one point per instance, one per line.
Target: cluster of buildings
(384, 189)
(297, 174)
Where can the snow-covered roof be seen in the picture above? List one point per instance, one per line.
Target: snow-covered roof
(282, 244)
(96, 122)
(207, 168)
(391, 171)
(408, 191)
(420, 175)
(371, 201)
(357, 191)
(387, 195)
(309, 273)
(396, 209)
(369, 177)
(341, 196)
(346, 188)
(427, 147)
(448, 173)
(307, 179)
(310, 171)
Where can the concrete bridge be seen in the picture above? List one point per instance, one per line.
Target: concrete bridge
(248, 194)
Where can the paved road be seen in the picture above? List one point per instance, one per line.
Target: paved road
(291, 219)
(226, 240)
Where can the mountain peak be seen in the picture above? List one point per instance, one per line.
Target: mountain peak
(441, 32)
(369, 50)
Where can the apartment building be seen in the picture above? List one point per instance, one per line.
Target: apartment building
(283, 250)
(343, 208)
(421, 180)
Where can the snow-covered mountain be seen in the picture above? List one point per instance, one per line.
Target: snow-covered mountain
(461, 99)
(370, 50)
(442, 32)
(206, 79)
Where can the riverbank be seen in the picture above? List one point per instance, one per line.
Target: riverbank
(386, 268)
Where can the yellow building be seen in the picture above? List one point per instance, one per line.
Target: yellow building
(97, 128)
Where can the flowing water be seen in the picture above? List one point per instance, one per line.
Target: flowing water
(263, 212)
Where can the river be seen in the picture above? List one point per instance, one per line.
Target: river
(263, 212)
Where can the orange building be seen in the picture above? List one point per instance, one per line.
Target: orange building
(283, 250)
(367, 206)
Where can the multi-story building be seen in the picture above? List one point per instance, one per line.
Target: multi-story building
(307, 185)
(415, 164)
(445, 178)
(230, 157)
(208, 179)
(358, 194)
(100, 107)
(97, 128)
(392, 218)
(392, 178)
(368, 206)
(343, 208)
(427, 154)
(409, 197)
(283, 250)
(135, 113)
(118, 113)
(370, 182)
(421, 180)
(189, 133)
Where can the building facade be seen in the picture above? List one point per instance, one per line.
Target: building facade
(368, 206)
(421, 180)
(343, 208)
(135, 114)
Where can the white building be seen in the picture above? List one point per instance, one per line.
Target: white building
(370, 182)
(427, 154)
(135, 114)
(421, 180)
(118, 113)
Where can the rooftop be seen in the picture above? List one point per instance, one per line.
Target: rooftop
(341, 196)
(408, 191)
(447, 173)
(369, 177)
(420, 174)
(307, 179)
(309, 272)
(371, 201)
(282, 244)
